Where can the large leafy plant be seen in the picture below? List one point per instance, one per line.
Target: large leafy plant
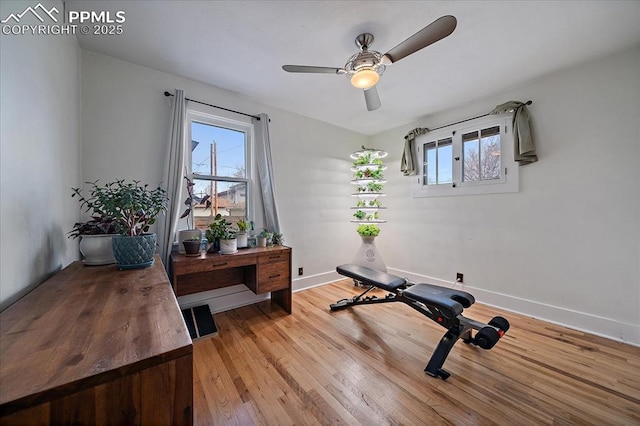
(132, 206)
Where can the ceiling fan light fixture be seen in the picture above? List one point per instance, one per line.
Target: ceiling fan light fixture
(365, 78)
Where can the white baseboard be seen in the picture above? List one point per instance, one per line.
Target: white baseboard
(303, 283)
(581, 321)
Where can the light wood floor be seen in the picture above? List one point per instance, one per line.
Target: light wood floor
(364, 365)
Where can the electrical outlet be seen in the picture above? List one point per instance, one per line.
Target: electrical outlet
(459, 277)
(300, 271)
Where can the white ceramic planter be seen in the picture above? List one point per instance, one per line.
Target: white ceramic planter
(242, 239)
(96, 249)
(228, 246)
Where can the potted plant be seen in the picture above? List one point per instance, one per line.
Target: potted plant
(95, 240)
(191, 232)
(134, 208)
(241, 235)
(263, 238)
(222, 236)
(192, 246)
(277, 239)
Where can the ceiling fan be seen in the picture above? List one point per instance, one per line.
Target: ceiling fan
(365, 67)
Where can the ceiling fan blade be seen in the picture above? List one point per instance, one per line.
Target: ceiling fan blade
(372, 99)
(314, 70)
(437, 30)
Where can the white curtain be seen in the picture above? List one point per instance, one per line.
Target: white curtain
(265, 173)
(173, 163)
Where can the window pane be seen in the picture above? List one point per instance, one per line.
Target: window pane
(430, 163)
(490, 153)
(217, 151)
(481, 155)
(230, 200)
(470, 157)
(445, 161)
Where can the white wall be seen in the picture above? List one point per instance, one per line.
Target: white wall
(125, 124)
(39, 155)
(567, 246)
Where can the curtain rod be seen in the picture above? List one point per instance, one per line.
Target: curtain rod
(468, 119)
(215, 106)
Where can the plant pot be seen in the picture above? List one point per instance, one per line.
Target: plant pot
(134, 252)
(261, 241)
(214, 246)
(192, 248)
(228, 246)
(368, 254)
(96, 249)
(187, 234)
(242, 239)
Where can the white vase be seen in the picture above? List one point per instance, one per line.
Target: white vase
(96, 249)
(368, 255)
(228, 246)
(187, 234)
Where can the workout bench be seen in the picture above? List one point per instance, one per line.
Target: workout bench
(440, 304)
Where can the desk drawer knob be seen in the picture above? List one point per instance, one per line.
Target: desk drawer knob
(274, 276)
(220, 264)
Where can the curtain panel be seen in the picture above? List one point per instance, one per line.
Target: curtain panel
(407, 165)
(172, 176)
(524, 150)
(265, 173)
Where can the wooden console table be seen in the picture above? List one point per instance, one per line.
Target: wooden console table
(263, 270)
(95, 345)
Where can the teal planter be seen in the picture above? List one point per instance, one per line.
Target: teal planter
(134, 252)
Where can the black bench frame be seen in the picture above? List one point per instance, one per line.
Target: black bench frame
(458, 326)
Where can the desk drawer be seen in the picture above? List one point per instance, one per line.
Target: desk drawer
(213, 264)
(273, 276)
(282, 256)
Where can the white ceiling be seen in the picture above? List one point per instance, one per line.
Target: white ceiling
(240, 46)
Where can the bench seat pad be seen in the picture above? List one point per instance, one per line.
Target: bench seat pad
(372, 277)
(448, 301)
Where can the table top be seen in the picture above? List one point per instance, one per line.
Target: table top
(177, 258)
(87, 325)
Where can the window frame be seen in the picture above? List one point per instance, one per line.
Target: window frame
(197, 115)
(509, 176)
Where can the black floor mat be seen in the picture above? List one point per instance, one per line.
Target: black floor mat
(199, 321)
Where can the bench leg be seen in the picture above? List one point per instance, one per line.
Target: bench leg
(434, 367)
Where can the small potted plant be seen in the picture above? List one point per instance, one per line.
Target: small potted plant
(241, 235)
(134, 208)
(263, 238)
(95, 240)
(192, 246)
(277, 239)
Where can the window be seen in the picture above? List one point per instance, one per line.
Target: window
(474, 157)
(220, 167)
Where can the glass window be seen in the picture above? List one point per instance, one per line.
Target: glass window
(438, 162)
(481, 155)
(219, 167)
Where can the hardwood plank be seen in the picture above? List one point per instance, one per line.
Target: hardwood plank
(364, 365)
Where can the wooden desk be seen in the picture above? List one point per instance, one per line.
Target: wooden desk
(263, 270)
(95, 345)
